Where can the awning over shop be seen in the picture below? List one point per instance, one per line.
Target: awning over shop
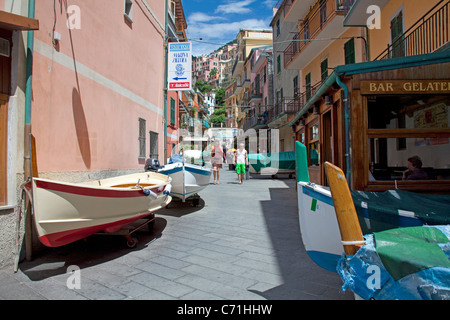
(11, 21)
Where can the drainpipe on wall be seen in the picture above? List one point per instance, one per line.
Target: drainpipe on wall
(28, 93)
(166, 40)
(27, 130)
(347, 128)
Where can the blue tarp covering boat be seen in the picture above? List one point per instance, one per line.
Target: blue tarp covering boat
(400, 264)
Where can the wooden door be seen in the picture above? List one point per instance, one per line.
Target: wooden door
(3, 148)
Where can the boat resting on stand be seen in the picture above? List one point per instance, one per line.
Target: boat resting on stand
(67, 212)
(187, 179)
(377, 211)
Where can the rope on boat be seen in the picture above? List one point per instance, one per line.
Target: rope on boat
(353, 243)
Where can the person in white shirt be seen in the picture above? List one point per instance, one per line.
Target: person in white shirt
(241, 160)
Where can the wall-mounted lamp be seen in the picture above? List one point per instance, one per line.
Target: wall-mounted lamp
(56, 36)
(316, 110)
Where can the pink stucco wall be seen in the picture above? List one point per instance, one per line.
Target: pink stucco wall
(86, 117)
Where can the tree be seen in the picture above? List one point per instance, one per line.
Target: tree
(203, 86)
(220, 97)
(219, 115)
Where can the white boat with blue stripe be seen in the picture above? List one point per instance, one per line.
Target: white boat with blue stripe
(187, 179)
(377, 211)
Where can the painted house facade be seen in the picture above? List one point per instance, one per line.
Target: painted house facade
(96, 93)
(373, 97)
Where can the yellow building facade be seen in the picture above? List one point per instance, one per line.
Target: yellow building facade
(372, 89)
(247, 39)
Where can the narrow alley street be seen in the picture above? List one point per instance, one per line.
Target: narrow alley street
(241, 243)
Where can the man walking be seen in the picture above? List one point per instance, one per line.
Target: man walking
(241, 160)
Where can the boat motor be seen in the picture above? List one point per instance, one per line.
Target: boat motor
(152, 165)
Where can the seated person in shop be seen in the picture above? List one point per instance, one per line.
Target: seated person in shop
(415, 171)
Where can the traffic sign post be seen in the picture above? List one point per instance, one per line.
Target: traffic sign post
(179, 66)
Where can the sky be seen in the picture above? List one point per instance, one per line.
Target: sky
(217, 22)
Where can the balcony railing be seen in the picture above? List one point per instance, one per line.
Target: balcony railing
(254, 119)
(428, 34)
(285, 106)
(312, 27)
(292, 105)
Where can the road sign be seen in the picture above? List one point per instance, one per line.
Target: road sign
(179, 77)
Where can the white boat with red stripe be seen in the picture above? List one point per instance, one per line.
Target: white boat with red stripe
(67, 212)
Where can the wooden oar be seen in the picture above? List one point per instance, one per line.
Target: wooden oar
(351, 234)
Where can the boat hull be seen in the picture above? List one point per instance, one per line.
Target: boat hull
(320, 229)
(187, 179)
(66, 212)
(318, 225)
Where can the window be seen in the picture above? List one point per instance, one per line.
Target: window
(296, 92)
(141, 138)
(306, 30)
(323, 12)
(349, 49)
(278, 63)
(172, 111)
(154, 145)
(257, 85)
(308, 86)
(401, 127)
(313, 145)
(129, 10)
(278, 27)
(324, 69)
(398, 49)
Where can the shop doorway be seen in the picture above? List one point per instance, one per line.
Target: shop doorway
(327, 143)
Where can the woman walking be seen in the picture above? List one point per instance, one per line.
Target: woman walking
(216, 160)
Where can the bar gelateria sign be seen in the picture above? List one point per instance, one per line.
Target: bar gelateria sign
(405, 86)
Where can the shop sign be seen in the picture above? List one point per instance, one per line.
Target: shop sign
(377, 87)
(179, 66)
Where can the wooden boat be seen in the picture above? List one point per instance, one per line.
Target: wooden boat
(376, 211)
(411, 263)
(318, 224)
(187, 179)
(67, 212)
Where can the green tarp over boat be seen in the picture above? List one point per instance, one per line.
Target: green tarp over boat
(285, 161)
(378, 211)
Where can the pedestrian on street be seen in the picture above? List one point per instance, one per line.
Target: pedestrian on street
(241, 160)
(217, 160)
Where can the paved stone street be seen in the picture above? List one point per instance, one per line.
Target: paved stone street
(241, 243)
